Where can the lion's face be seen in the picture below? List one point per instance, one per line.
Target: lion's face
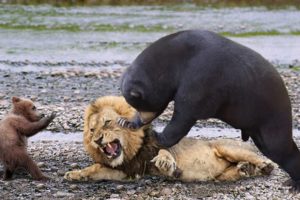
(114, 143)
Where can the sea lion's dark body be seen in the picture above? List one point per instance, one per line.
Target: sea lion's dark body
(209, 76)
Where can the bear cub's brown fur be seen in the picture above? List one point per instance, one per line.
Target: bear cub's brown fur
(20, 123)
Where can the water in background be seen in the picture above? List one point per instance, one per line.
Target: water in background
(43, 36)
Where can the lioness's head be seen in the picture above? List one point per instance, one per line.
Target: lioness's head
(104, 139)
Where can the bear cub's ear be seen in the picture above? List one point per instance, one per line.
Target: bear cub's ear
(15, 99)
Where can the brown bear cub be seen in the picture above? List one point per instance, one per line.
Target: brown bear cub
(22, 122)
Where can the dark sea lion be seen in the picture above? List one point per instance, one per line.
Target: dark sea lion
(210, 76)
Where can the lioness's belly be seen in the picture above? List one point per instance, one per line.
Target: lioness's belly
(197, 160)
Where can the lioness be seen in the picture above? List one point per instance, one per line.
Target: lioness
(121, 153)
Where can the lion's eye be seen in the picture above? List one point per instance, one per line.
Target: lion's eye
(33, 108)
(106, 123)
(92, 130)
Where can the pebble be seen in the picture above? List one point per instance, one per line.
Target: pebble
(43, 91)
(154, 193)
(166, 191)
(60, 194)
(40, 186)
(73, 187)
(61, 172)
(41, 164)
(74, 165)
(120, 187)
(131, 192)
(113, 196)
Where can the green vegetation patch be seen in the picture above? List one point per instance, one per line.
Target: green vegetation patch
(295, 68)
(40, 27)
(91, 27)
(259, 33)
(214, 3)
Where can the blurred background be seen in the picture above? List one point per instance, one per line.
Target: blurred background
(269, 3)
(92, 34)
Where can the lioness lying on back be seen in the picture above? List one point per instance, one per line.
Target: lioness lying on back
(121, 153)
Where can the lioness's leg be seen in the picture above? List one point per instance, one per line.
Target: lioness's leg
(230, 174)
(165, 162)
(236, 172)
(95, 172)
(239, 154)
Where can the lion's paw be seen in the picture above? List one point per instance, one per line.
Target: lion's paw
(246, 169)
(165, 162)
(266, 168)
(75, 176)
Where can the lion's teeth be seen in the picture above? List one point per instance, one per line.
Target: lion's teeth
(109, 145)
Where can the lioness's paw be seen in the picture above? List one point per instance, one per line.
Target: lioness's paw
(165, 162)
(246, 169)
(266, 168)
(75, 176)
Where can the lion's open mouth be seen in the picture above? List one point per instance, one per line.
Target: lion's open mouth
(112, 149)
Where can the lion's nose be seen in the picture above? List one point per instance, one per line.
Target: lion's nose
(99, 141)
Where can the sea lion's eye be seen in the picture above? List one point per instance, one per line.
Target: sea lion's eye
(106, 123)
(33, 108)
(135, 94)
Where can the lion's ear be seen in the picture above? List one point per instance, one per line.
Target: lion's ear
(94, 108)
(93, 105)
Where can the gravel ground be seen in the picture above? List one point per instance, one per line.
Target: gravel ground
(68, 93)
(55, 158)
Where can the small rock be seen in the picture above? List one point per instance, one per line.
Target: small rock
(43, 91)
(154, 193)
(131, 192)
(41, 164)
(60, 194)
(120, 187)
(40, 186)
(166, 192)
(114, 196)
(74, 165)
(148, 182)
(73, 187)
(60, 172)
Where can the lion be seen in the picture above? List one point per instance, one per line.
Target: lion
(124, 154)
